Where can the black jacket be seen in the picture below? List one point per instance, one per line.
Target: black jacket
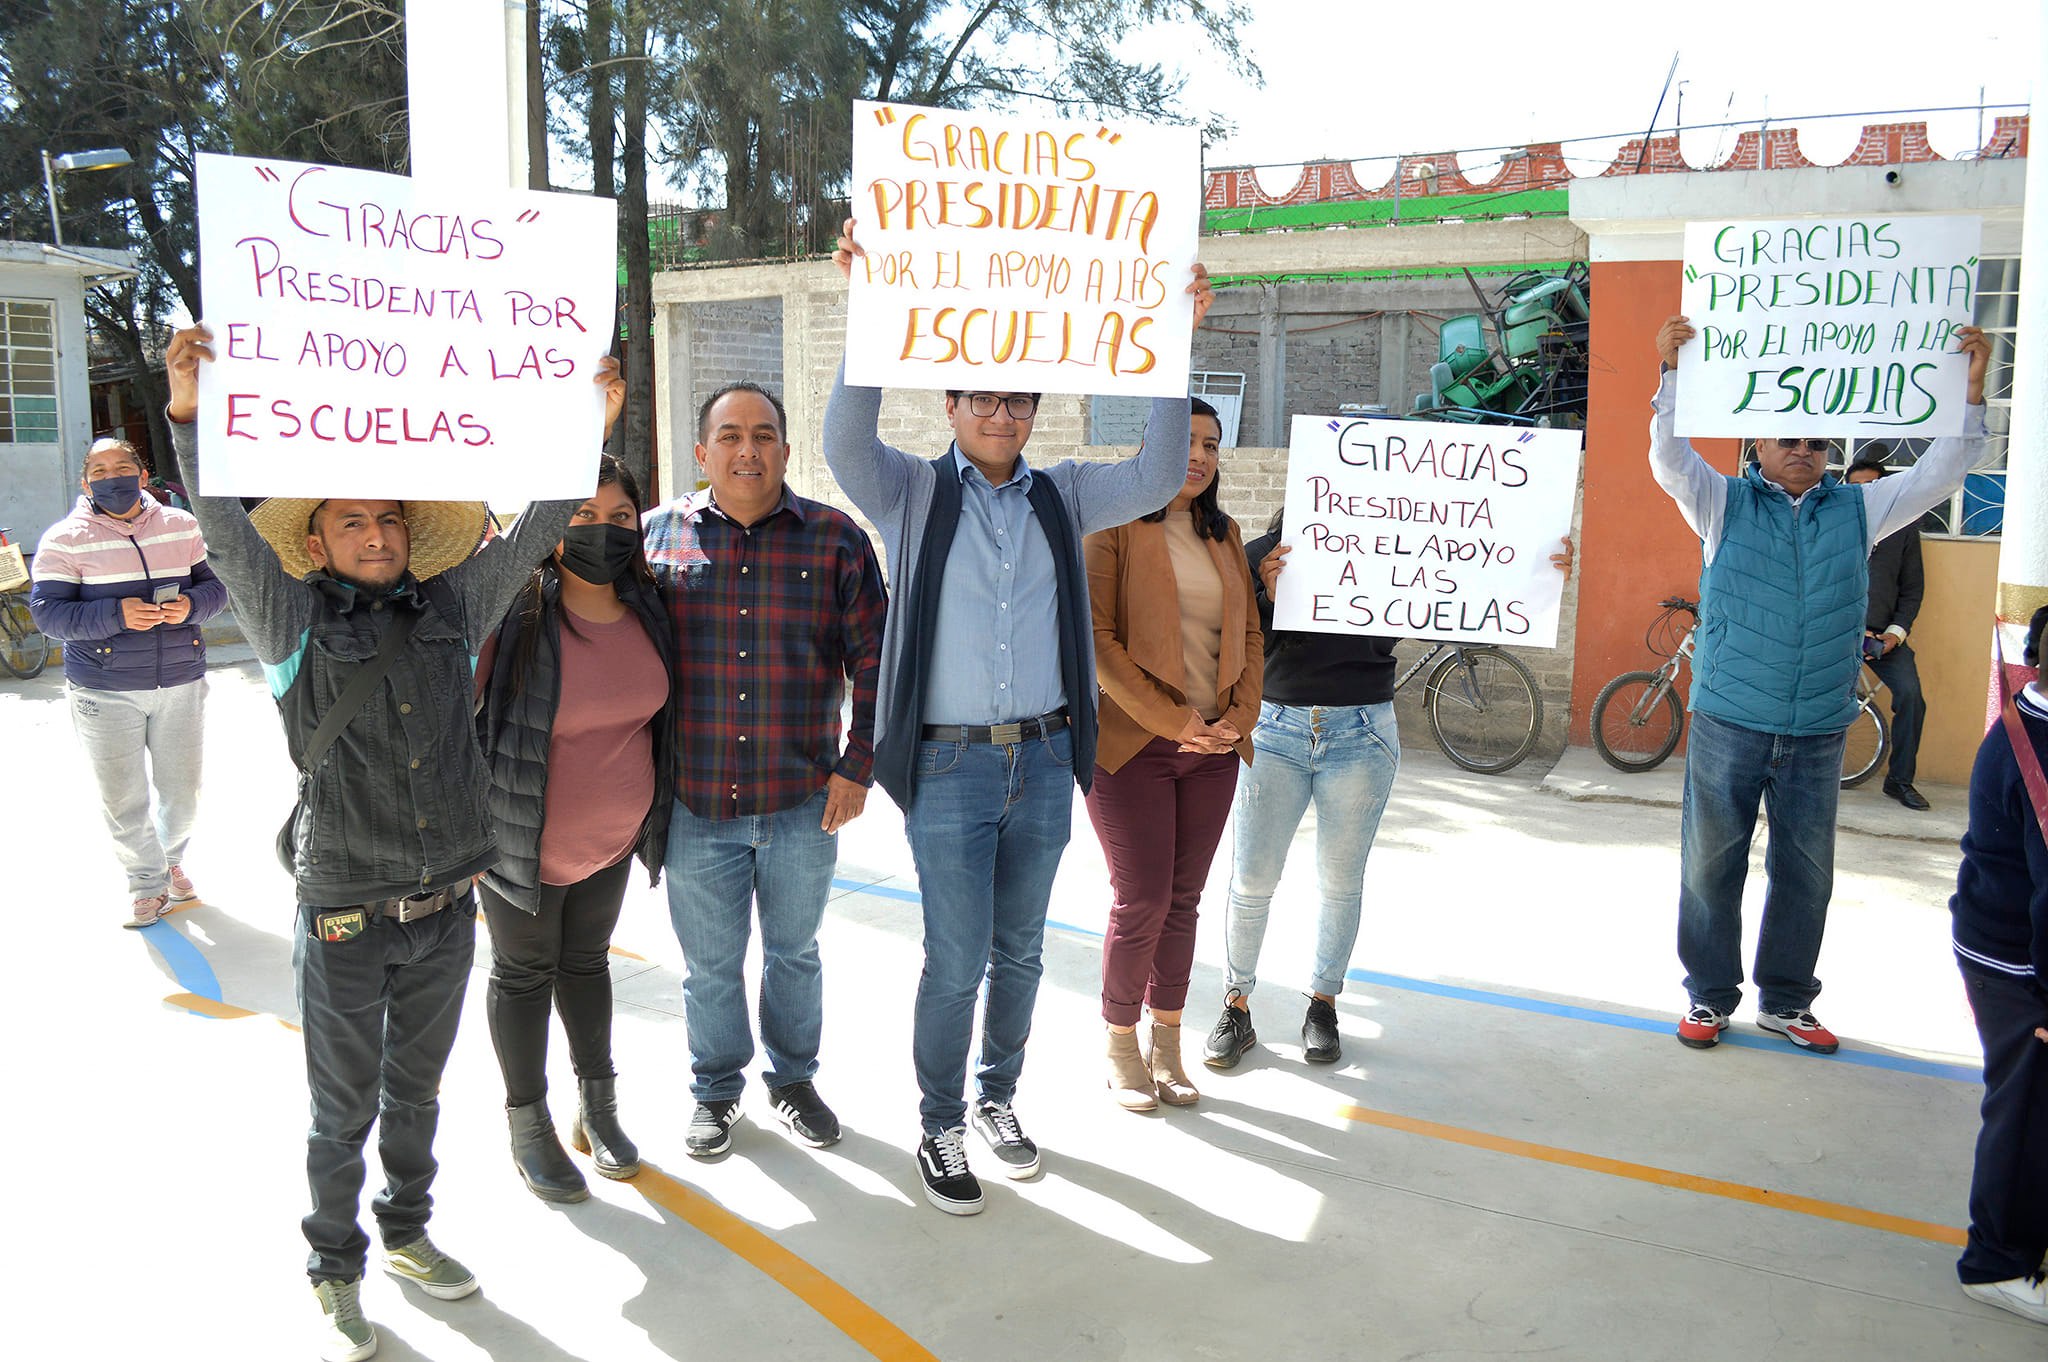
(515, 726)
(1304, 668)
(397, 806)
(1897, 582)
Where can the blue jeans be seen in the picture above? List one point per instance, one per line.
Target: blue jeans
(719, 870)
(1342, 758)
(1728, 770)
(987, 827)
(378, 1015)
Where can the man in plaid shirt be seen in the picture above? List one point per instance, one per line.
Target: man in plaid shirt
(778, 604)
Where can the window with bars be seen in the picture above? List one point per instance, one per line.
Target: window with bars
(28, 372)
(1977, 510)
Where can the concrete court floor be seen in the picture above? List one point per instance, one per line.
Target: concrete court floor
(1514, 1157)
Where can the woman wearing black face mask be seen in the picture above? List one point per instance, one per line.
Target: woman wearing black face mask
(574, 716)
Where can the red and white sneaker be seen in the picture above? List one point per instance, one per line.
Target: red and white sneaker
(1801, 1029)
(181, 886)
(1701, 1028)
(147, 910)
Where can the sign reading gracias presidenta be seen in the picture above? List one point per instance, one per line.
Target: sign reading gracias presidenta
(1837, 326)
(376, 336)
(1426, 529)
(1013, 253)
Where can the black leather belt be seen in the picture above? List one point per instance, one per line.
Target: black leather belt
(1002, 735)
(417, 906)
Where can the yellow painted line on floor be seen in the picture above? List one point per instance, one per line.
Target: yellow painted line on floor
(1662, 1177)
(208, 1007)
(841, 1308)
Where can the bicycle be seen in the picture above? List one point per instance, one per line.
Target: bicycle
(23, 649)
(1637, 719)
(1483, 707)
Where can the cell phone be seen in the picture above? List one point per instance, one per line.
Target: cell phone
(167, 592)
(1872, 647)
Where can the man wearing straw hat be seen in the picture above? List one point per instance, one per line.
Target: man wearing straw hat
(390, 828)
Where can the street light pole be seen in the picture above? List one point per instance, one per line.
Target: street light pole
(50, 195)
(108, 158)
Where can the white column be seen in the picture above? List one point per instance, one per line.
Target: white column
(465, 77)
(2023, 552)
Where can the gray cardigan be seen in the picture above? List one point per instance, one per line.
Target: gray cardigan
(894, 491)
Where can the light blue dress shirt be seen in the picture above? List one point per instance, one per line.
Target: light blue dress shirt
(996, 658)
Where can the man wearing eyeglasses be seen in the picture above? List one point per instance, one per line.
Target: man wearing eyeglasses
(1783, 591)
(985, 717)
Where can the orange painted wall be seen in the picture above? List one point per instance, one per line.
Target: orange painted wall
(1634, 547)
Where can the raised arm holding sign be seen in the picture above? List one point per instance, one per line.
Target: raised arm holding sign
(1784, 587)
(366, 614)
(986, 707)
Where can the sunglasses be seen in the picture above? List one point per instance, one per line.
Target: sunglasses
(1817, 446)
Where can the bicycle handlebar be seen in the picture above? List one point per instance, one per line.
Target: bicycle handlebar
(1679, 603)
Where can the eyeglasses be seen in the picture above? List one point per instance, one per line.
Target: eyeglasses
(1022, 406)
(1817, 446)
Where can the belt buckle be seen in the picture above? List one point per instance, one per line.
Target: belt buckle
(412, 910)
(1006, 735)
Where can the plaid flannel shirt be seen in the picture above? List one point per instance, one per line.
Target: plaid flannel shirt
(771, 621)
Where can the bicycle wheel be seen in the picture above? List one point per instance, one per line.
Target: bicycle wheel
(1864, 749)
(23, 649)
(1483, 709)
(1637, 721)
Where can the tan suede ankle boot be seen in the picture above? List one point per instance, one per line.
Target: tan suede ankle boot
(1169, 1079)
(1130, 1083)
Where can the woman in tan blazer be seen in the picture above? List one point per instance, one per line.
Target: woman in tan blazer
(1179, 657)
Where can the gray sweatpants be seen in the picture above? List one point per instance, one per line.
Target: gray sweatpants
(119, 728)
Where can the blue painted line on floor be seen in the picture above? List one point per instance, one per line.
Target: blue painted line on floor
(1925, 1068)
(186, 964)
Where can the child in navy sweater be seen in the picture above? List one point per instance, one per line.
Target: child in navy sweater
(2001, 941)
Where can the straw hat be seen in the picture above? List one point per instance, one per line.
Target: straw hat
(443, 533)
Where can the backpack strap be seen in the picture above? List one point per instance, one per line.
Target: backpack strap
(357, 692)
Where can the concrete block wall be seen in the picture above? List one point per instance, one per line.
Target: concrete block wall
(740, 339)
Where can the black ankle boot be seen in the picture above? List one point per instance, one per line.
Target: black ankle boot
(596, 1130)
(538, 1155)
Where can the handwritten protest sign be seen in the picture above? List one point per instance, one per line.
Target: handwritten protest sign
(1836, 326)
(1013, 253)
(1426, 529)
(376, 336)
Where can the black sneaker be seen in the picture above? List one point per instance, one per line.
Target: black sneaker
(996, 1123)
(942, 1163)
(799, 1107)
(711, 1128)
(1319, 1033)
(1232, 1037)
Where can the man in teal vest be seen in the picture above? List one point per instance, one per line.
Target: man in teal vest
(1786, 549)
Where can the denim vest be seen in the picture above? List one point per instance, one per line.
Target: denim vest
(1781, 609)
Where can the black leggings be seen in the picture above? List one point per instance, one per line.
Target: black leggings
(561, 953)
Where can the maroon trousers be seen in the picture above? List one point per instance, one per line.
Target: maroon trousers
(1159, 817)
